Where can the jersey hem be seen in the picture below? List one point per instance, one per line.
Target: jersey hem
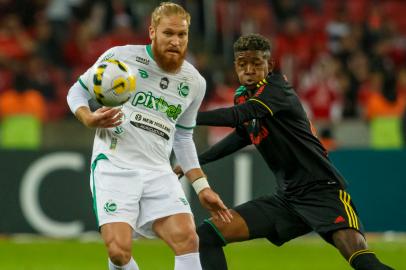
(180, 126)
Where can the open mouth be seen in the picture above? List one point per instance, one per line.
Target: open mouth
(173, 51)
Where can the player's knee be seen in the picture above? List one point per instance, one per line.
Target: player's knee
(118, 254)
(208, 236)
(349, 241)
(184, 241)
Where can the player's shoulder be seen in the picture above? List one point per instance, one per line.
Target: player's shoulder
(128, 49)
(191, 71)
(277, 82)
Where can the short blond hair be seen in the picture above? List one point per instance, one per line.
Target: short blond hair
(166, 9)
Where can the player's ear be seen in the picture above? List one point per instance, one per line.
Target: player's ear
(151, 32)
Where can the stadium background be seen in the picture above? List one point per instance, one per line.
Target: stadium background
(346, 60)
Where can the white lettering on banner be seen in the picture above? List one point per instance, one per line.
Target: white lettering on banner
(151, 124)
(29, 197)
(243, 179)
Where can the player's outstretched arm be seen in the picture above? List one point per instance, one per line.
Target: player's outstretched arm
(207, 197)
(103, 117)
(230, 144)
(231, 116)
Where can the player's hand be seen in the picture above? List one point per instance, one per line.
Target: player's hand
(178, 171)
(212, 202)
(104, 117)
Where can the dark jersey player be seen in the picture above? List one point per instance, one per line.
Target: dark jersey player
(310, 192)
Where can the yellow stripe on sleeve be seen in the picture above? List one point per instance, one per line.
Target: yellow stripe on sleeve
(263, 104)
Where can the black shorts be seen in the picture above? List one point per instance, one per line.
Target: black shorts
(320, 207)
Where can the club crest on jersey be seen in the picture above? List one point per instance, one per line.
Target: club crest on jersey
(183, 89)
(164, 83)
(110, 207)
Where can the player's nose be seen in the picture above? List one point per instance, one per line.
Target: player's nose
(249, 69)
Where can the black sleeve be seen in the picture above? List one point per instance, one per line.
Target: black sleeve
(274, 97)
(269, 99)
(232, 116)
(230, 144)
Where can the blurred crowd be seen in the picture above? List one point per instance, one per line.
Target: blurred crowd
(345, 58)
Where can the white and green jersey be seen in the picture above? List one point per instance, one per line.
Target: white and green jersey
(162, 103)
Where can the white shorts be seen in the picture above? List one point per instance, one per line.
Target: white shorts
(137, 197)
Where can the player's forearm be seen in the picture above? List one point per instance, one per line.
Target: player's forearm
(230, 144)
(185, 150)
(194, 174)
(232, 116)
(83, 114)
(218, 117)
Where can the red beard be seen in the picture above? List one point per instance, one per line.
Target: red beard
(169, 64)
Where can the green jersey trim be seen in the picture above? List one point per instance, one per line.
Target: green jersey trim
(240, 91)
(94, 164)
(179, 126)
(208, 221)
(83, 85)
(149, 51)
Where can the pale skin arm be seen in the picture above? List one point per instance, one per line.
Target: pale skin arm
(210, 199)
(104, 117)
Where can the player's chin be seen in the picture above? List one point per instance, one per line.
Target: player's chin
(250, 85)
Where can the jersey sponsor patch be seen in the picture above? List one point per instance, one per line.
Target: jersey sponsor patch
(142, 60)
(151, 124)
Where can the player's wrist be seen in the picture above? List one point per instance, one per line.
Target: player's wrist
(199, 184)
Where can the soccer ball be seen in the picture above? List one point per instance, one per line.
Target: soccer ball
(113, 83)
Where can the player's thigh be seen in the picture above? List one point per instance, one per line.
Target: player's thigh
(272, 218)
(117, 235)
(179, 232)
(327, 209)
(179, 225)
(162, 196)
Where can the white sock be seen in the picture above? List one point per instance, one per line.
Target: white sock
(190, 261)
(131, 265)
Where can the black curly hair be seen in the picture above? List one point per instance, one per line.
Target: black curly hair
(252, 42)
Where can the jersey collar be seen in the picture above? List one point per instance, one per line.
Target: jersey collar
(149, 51)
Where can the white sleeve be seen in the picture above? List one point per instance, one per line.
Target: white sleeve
(77, 97)
(185, 149)
(188, 118)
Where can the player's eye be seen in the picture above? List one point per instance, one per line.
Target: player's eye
(241, 64)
